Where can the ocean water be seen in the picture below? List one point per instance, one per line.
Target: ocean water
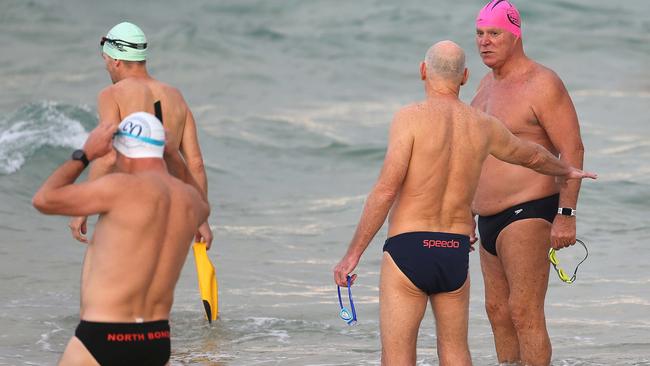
(293, 100)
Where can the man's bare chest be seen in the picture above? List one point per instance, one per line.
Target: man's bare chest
(511, 105)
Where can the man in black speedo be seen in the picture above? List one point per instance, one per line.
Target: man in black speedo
(147, 219)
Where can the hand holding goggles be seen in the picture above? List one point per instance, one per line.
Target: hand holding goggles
(345, 314)
(552, 256)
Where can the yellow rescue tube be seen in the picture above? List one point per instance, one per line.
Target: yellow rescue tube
(207, 281)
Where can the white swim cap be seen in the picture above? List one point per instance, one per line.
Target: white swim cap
(140, 135)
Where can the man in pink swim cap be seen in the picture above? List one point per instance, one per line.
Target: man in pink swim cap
(522, 213)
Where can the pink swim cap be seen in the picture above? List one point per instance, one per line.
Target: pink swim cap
(500, 14)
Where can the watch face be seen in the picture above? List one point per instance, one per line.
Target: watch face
(78, 155)
(81, 156)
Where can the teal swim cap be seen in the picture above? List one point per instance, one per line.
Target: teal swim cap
(125, 41)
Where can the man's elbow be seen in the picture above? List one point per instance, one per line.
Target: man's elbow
(534, 161)
(385, 193)
(532, 157)
(41, 203)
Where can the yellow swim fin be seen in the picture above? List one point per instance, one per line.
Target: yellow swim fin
(207, 281)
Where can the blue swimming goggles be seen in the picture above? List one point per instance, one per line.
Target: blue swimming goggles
(345, 314)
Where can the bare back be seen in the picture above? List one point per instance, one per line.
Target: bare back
(450, 143)
(139, 247)
(138, 94)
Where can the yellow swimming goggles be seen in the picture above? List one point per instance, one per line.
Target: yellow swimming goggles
(552, 256)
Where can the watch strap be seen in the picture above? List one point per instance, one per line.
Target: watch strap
(566, 211)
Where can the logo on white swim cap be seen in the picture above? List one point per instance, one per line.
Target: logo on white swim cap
(140, 135)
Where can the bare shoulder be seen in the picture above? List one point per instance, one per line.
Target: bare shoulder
(485, 81)
(191, 196)
(409, 112)
(482, 120)
(546, 80)
(170, 91)
(404, 120)
(173, 96)
(113, 184)
(548, 92)
(183, 188)
(107, 93)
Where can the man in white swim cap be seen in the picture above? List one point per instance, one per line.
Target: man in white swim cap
(124, 50)
(147, 219)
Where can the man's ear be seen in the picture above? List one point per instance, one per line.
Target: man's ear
(423, 71)
(465, 76)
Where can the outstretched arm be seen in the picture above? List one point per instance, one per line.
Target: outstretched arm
(507, 147)
(381, 198)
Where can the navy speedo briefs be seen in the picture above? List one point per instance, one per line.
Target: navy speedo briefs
(435, 262)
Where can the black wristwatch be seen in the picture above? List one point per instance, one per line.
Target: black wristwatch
(80, 155)
(566, 211)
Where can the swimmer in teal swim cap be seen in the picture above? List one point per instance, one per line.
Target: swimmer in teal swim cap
(124, 49)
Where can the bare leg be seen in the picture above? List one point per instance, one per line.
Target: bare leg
(451, 310)
(76, 354)
(401, 308)
(523, 247)
(497, 293)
